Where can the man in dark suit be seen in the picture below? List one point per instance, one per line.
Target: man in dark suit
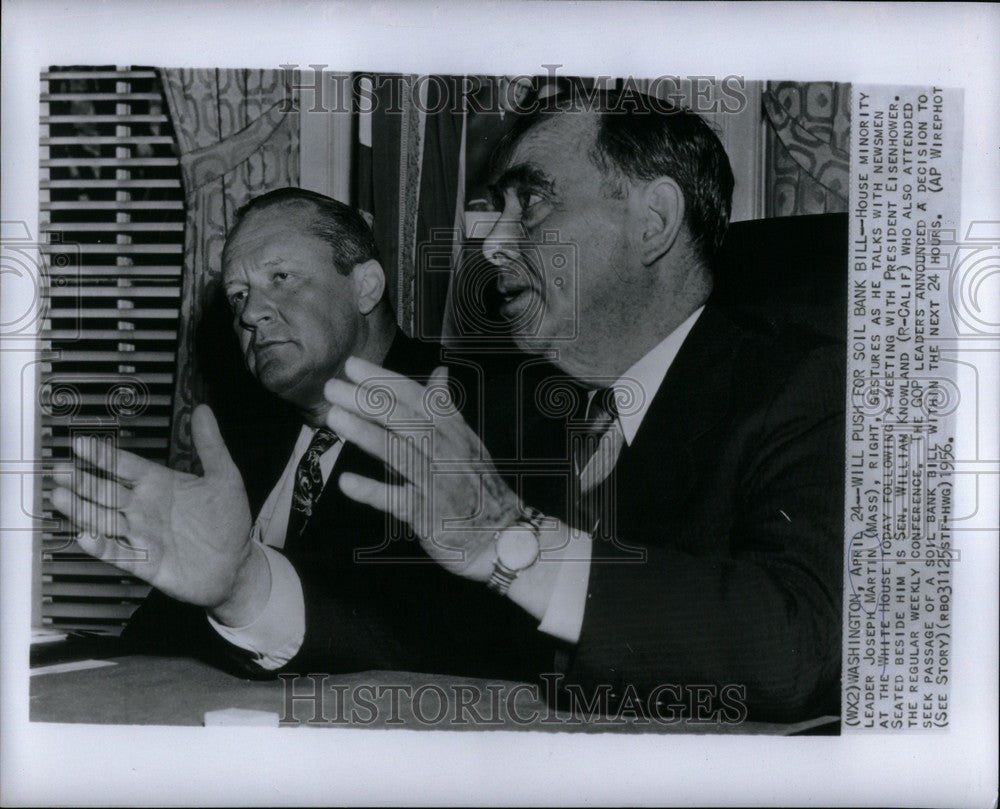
(699, 549)
(297, 576)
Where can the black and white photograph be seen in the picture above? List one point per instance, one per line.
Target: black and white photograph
(416, 417)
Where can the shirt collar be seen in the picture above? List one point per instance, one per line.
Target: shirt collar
(635, 389)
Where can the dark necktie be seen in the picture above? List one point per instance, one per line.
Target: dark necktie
(600, 414)
(308, 485)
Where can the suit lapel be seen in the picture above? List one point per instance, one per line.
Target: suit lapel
(661, 463)
(262, 472)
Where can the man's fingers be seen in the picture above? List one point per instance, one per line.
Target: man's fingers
(395, 500)
(115, 551)
(381, 401)
(437, 399)
(119, 463)
(397, 402)
(358, 370)
(439, 376)
(208, 443)
(88, 516)
(401, 452)
(344, 395)
(106, 535)
(103, 491)
(350, 427)
(96, 545)
(406, 504)
(380, 394)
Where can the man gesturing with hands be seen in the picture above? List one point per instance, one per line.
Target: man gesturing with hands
(705, 489)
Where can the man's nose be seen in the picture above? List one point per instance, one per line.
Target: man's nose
(503, 240)
(258, 310)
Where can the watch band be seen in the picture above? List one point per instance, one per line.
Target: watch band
(502, 576)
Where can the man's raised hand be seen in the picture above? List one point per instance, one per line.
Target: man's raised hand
(450, 494)
(186, 535)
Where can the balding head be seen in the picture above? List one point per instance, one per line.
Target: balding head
(635, 137)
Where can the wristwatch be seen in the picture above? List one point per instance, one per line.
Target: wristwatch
(517, 549)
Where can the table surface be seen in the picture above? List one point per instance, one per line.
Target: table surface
(141, 690)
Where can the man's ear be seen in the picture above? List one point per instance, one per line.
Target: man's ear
(661, 217)
(369, 285)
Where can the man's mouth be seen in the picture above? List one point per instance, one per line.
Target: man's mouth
(261, 345)
(262, 348)
(516, 290)
(516, 300)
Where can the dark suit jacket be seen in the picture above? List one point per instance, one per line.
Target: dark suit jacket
(732, 492)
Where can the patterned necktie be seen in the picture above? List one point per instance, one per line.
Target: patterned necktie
(594, 456)
(308, 485)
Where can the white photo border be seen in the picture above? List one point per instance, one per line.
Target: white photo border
(949, 44)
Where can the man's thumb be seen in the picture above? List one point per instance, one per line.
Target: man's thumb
(439, 376)
(208, 443)
(444, 402)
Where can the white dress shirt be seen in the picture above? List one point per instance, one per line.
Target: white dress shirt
(277, 633)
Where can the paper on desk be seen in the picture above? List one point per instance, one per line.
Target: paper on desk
(240, 716)
(76, 665)
(39, 636)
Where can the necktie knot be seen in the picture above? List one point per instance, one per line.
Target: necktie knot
(322, 440)
(602, 410)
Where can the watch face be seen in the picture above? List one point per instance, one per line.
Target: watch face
(517, 548)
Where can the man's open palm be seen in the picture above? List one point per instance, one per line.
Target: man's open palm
(186, 535)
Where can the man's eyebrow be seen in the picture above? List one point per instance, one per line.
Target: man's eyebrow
(277, 261)
(522, 176)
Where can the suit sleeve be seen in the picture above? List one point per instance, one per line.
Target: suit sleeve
(763, 616)
(340, 636)
(417, 617)
(342, 632)
(404, 616)
(164, 626)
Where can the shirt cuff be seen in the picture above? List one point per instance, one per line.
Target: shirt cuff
(276, 635)
(563, 616)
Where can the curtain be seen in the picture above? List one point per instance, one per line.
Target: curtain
(439, 226)
(808, 147)
(407, 182)
(235, 142)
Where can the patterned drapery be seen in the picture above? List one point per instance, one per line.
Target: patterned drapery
(808, 147)
(407, 170)
(235, 142)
